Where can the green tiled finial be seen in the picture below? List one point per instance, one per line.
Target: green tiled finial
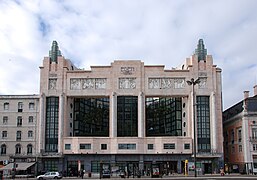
(200, 51)
(54, 52)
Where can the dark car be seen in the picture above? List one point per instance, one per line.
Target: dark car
(122, 173)
(106, 174)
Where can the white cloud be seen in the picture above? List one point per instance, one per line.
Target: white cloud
(157, 32)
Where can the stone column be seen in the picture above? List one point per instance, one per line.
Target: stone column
(41, 124)
(179, 166)
(141, 127)
(60, 122)
(213, 123)
(113, 123)
(113, 159)
(141, 164)
(191, 115)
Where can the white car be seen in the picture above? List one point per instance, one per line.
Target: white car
(50, 175)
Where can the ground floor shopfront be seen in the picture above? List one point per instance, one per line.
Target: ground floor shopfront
(130, 164)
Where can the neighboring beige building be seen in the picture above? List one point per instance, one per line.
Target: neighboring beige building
(129, 115)
(240, 135)
(18, 120)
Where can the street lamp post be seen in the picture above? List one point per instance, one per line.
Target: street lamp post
(192, 83)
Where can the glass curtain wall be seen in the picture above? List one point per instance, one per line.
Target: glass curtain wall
(51, 128)
(91, 116)
(203, 124)
(127, 116)
(163, 116)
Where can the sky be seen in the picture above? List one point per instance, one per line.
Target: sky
(97, 32)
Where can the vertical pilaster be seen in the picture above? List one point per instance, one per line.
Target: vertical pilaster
(179, 166)
(141, 102)
(60, 123)
(213, 123)
(191, 110)
(41, 124)
(141, 163)
(113, 123)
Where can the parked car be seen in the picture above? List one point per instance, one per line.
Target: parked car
(50, 175)
(106, 174)
(122, 173)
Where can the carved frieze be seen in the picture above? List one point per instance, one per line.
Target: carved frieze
(75, 84)
(154, 83)
(100, 83)
(166, 83)
(179, 83)
(87, 83)
(127, 83)
(52, 84)
(203, 83)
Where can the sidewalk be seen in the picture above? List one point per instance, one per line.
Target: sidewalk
(173, 176)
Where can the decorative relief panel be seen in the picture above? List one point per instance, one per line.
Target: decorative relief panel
(154, 83)
(127, 70)
(203, 83)
(166, 83)
(100, 83)
(127, 83)
(87, 83)
(75, 84)
(179, 83)
(52, 84)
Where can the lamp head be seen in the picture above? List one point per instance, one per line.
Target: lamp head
(189, 83)
(194, 82)
(197, 81)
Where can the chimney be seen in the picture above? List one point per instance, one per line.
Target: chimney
(255, 90)
(246, 94)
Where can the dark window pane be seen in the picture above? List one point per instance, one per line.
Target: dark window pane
(127, 116)
(91, 117)
(52, 120)
(203, 123)
(163, 116)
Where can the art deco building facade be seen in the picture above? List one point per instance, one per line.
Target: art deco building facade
(129, 115)
(240, 135)
(18, 120)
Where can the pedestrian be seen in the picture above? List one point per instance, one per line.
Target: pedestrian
(82, 173)
(222, 171)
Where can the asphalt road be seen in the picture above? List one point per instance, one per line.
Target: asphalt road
(207, 177)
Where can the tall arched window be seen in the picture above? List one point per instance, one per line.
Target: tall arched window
(3, 149)
(29, 149)
(18, 149)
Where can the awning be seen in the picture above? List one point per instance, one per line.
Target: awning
(19, 166)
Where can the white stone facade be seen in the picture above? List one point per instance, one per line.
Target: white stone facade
(61, 83)
(131, 78)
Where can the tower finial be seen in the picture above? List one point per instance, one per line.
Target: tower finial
(200, 51)
(54, 52)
